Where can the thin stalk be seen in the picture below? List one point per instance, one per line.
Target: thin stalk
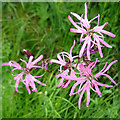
(77, 63)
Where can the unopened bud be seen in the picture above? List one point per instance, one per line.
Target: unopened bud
(27, 52)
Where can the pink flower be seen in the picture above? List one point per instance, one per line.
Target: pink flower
(65, 75)
(90, 81)
(29, 79)
(91, 35)
(61, 59)
(65, 66)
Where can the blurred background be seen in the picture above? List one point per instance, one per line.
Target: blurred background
(44, 28)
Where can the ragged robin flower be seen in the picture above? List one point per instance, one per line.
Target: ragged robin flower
(29, 79)
(44, 62)
(65, 60)
(89, 81)
(90, 36)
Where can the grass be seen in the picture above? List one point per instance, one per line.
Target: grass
(44, 28)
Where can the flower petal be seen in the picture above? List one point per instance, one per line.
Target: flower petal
(56, 61)
(88, 96)
(78, 27)
(108, 67)
(88, 50)
(80, 98)
(37, 60)
(75, 30)
(100, 84)
(85, 11)
(98, 43)
(98, 74)
(15, 64)
(95, 62)
(38, 76)
(61, 81)
(76, 15)
(33, 77)
(105, 43)
(24, 61)
(5, 64)
(107, 33)
(18, 78)
(82, 49)
(99, 28)
(97, 89)
(109, 78)
(95, 18)
(73, 87)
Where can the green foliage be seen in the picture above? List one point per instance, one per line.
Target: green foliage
(44, 28)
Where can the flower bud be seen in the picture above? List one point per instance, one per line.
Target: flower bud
(27, 52)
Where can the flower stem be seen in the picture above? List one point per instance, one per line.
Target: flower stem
(77, 63)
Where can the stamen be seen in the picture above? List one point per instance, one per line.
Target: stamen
(68, 65)
(26, 70)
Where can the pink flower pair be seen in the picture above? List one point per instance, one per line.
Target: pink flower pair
(86, 81)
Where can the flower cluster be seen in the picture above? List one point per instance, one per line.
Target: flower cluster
(81, 72)
(83, 68)
(86, 79)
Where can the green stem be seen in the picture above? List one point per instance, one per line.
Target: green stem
(77, 63)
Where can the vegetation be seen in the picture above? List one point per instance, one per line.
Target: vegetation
(44, 28)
